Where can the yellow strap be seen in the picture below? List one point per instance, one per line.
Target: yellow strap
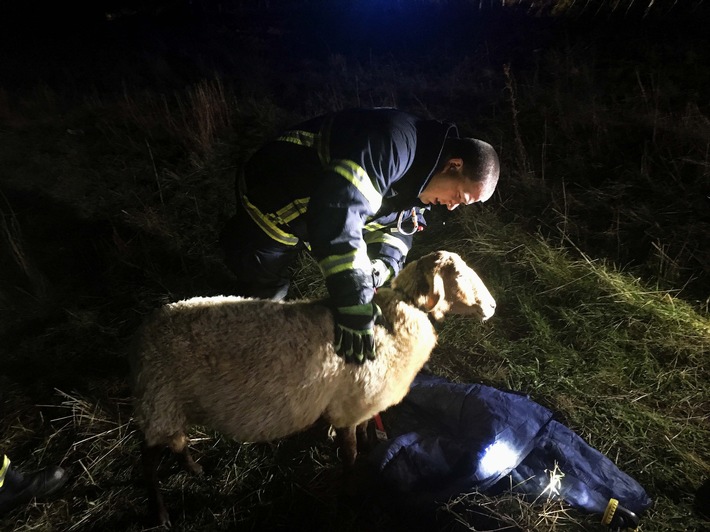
(266, 225)
(291, 211)
(262, 220)
(356, 174)
(302, 138)
(319, 141)
(3, 469)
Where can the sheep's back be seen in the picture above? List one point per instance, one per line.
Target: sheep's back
(256, 370)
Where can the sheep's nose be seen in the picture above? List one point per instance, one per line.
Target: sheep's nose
(488, 309)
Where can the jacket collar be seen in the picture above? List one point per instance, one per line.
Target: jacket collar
(431, 135)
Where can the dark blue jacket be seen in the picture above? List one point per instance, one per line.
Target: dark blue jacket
(451, 438)
(341, 182)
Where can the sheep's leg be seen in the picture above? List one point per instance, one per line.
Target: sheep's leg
(156, 507)
(372, 438)
(187, 463)
(362, 436)
(367, 437)
(347, 442)
(178, 444)
(352, 479)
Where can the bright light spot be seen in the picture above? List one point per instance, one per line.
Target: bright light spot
(497, 458)
(555, 481)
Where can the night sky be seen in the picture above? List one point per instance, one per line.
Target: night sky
(105, 44)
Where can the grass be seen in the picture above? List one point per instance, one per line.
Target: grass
(595, 247)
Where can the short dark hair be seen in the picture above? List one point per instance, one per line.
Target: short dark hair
(480, 160)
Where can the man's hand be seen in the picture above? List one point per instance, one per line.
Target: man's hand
(355, 332)
(380, 272)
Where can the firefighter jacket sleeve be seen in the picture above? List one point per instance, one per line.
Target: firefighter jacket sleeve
(389, 240)
(361, 160)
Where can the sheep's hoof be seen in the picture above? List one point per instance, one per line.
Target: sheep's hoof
(189, 465)
(159, 517)
(165, 522)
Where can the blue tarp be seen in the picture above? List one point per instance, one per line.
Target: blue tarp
(447, 438)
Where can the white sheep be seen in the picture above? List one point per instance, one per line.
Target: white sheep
(258, 370)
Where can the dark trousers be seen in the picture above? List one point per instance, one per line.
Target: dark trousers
(261, 265)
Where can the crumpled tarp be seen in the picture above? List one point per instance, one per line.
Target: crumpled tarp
(447, 438)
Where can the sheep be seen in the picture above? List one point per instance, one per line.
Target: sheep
(259, 370)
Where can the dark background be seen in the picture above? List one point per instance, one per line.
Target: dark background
(111, 46)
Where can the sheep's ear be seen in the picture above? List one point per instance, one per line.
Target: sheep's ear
(438, 305)
(433, 298)
(426, 298)
(423, 283)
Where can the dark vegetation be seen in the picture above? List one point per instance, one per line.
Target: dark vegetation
(119, 139)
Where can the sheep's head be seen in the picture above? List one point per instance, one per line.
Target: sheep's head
(441, 283)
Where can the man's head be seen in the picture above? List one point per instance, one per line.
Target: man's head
(469, 174)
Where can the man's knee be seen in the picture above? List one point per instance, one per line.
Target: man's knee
(261, 268)
(254, 279)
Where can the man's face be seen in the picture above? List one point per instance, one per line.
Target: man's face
(450, 188)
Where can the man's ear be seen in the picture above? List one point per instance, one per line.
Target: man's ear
(454, 163)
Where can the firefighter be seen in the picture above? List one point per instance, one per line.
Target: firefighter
(17, 489)
(351, 186)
